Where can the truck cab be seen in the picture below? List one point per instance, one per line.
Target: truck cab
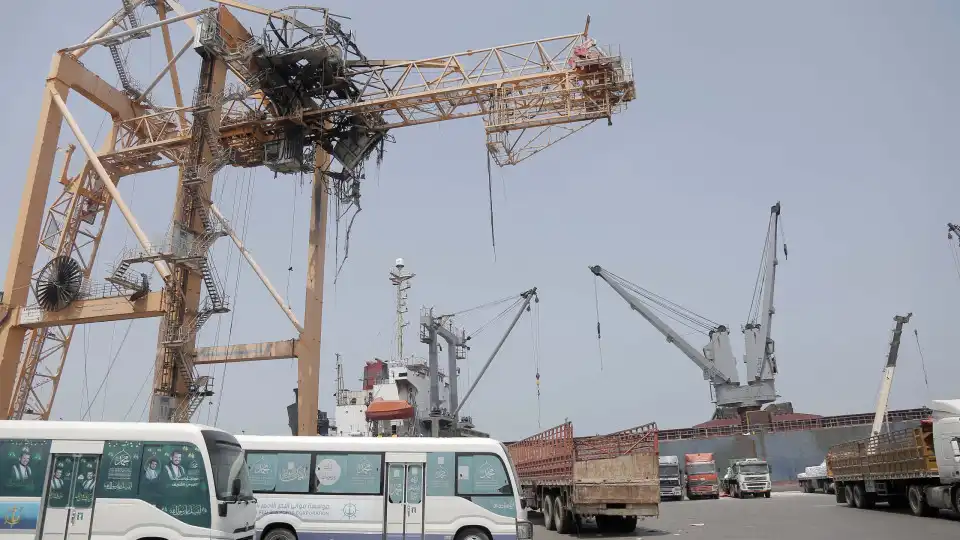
(701, 476)
(670, 485)
(749, 476)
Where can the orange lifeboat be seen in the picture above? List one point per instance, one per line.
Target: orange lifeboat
(393, 409)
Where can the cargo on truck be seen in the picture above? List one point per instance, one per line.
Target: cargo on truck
(814, 479)
(611, 478)
(670, 484)
(916, 467)
(700, 473)
(747, 477)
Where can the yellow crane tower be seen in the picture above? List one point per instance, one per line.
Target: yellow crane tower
(294, 99)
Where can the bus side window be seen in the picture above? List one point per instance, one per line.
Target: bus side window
(441, 474)
(955, 443)
(482, 474)
(272, 472)
(23, 466)
(120, 469)
(347, 473)
(174, 479)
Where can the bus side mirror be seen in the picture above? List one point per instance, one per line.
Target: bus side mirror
(236, 487)
(222, 509)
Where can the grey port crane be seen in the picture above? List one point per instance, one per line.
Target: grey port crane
(448, 422)
(716, 359)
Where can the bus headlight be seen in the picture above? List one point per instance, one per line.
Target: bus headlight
(524, 530)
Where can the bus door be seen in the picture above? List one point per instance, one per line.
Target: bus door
(404, 493)
(68, 497)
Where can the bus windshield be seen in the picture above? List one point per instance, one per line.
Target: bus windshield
(229, 468)
(513, 468)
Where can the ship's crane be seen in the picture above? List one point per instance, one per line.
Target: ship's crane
(303, 95)
(433, 326)
(887, 383)
(717, 360)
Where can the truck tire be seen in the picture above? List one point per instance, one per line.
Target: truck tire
(956, 499)
(628, 524)
(918, 502)
(766, 494)
(604, 523)
(548, 513)
(562, 518)
(848, 495)
(840, 494)
(861, 498)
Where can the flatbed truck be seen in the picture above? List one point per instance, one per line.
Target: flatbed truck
(613, 478)
(814, 479)
(916, 467)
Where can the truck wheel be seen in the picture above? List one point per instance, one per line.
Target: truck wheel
(956, 499)
(561, 517)
(918, 502)
(861, 498)
(766, 494)
(840, 494)
(548, 513)
(628, 524)
(848, 495)
(603, 523)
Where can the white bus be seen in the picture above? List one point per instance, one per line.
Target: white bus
(366, 488)
(122, 481)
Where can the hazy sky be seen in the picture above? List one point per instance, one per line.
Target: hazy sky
(843, 111)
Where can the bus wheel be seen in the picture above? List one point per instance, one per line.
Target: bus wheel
(279, 533)
(472, 533)
(548, 513)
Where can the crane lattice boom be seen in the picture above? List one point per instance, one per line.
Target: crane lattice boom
(303, 91)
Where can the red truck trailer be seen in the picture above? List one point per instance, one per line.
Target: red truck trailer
(613, 478)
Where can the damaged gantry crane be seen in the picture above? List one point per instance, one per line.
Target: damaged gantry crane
(289, 99)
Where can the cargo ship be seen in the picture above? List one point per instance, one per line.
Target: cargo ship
(789, 441)
(394, 399)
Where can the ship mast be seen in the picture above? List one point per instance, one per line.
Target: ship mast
(400, 280)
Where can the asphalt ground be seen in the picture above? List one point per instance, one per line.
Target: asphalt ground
(784, 516)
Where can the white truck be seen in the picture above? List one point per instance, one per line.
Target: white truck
(670, 487)
(814, 479)
(747, 476)
(916, 467)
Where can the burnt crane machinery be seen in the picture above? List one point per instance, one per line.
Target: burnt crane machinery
(716, 359)
(291, 99)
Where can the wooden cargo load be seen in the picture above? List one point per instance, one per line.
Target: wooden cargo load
(621, 468)
(906, 453)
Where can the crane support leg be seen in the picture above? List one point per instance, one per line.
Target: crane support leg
(308, 347)
(23, 254)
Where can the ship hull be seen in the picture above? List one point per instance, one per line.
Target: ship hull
(788, 453)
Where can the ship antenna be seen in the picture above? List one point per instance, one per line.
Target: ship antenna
(400, 280)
